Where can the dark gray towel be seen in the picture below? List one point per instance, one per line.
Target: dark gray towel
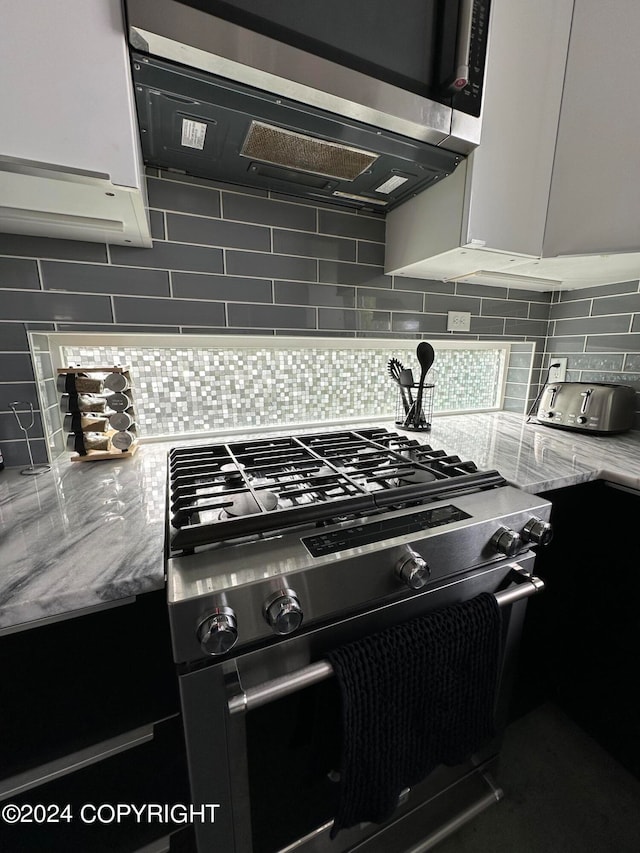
(414, 696)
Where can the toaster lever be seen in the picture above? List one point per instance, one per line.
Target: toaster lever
(585, 401)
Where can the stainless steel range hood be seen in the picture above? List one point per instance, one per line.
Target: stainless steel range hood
(219, 101)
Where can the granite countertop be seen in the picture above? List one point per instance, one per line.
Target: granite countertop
(89, 535)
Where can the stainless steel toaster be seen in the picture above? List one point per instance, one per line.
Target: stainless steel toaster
(595, 407)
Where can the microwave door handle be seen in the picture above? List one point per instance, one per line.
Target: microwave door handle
(460, 77)
(586, 396)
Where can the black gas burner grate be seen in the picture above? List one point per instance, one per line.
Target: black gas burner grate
(225, 491)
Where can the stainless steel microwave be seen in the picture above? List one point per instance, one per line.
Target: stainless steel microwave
(412, 67)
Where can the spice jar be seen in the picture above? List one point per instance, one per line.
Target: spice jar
(123, 440)
(116, 382)
(118, 401)
(90, 440)
(121, 420)
(82, 403)
(77, 422)
(79, 383)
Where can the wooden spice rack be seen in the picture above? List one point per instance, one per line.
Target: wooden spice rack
(112, 452)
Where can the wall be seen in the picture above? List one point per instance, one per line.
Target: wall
(230, 260)
(598, 330)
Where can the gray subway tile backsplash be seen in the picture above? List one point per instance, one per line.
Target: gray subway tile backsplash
(528, 328)
(225, 288)
(423, 323)
(529, 295)
(617, 305)
(266, 211)
(61, 307)
(19, 273)
(263, 265)
(100, 278)
(10, 431)
(593, 325)
(464, 288)
(271, 316)
(175, 195)
(13, 337)
(370, 253)
(15, 452)
(24, 392)
(440, 304)
(613, 343)
(566, 310)
(15, 367)
(156, 221)
(487, 326)
(504, 308)
(313, 245)
(217, 232)
(169, 256)
(181, 312)
(539, 310)
(238, 261)
(423, 285)
(335, 272)
(348, 225)
(47, 247)
(600, 290)
(388, 300)
(363, 321)
(301, 293)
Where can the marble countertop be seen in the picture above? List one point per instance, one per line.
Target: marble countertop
(89, 535)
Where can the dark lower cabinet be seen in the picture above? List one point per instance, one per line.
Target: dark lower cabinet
(90, 719)
(582, 636)
(80, 811)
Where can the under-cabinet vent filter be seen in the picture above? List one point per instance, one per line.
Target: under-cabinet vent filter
(305, 153)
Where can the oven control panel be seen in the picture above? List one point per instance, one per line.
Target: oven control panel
(367, 534)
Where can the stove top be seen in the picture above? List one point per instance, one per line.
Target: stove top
(224, 492)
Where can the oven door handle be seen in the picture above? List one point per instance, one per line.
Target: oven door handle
(269, 691)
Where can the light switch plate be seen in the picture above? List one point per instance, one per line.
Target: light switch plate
(558, 374)
(458, 321)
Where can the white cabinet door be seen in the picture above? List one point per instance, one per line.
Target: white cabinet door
(70, 161)
(594, 206)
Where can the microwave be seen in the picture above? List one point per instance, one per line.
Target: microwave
(411, 67)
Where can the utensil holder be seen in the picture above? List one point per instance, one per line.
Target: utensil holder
(76, 438)
(407, 420)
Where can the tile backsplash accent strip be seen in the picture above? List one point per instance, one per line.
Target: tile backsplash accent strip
(597, 329)
(230, 260)
(199, 389)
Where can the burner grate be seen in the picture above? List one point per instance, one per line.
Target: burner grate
(220, 492)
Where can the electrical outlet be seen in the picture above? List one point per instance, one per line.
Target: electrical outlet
(458, 321)
(559, 373)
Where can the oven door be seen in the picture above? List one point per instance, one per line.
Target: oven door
(263, 735)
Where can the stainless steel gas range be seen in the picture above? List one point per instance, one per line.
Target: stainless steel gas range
(282, 550)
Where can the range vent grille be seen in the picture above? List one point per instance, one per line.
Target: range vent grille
(305, 153)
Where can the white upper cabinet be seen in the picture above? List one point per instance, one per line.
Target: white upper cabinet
(70, 161)
(550, 198)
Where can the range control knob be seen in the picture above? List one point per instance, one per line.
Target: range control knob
(537, 531)
(413, 570)
(507, 541)
(218, 632)
(283, 612)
